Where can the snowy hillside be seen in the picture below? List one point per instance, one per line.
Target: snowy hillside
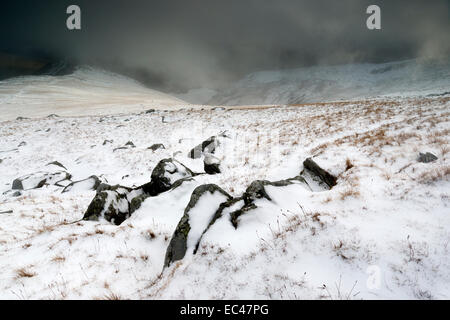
(90, 209)
(331, 83)
(86, 91)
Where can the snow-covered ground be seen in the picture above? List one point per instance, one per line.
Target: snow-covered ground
(382, 232)
(331, 83)
(87, 91)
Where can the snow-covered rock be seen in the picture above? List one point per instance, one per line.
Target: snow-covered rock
(201, 209)
(39, 179)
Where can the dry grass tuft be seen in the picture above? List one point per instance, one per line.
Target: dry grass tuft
(348, 164)
(59, 259)
(111, 296)
(349, 193)
(24, 273)
(435, 175)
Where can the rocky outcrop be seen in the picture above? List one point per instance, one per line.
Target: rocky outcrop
(184, 239)
(195, 221)
(117, 203)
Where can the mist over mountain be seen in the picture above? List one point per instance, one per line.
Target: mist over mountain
(178, 45)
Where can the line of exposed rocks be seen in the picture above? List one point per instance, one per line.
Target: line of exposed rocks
(183, 241)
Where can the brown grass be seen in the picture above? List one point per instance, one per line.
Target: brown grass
(111, 296)
(348, 164)
(24, 273)
(349, 193)
(435, 175)
(59, 258)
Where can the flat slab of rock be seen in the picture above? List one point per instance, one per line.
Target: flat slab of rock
(39, 179)
(91, 183)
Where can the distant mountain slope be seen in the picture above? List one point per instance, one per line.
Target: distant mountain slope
(325, 83)
(86, 91)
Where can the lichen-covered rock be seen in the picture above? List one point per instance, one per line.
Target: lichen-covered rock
(112, 204)
(136, 202)
(202, 208)
(426, 157)
(322, 174)
(39, 179)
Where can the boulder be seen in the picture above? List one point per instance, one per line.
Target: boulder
(156, 146)
(198, 214)
(211, 164)
(426, 157)
(165, 174)
(112, 204)
(209, 145)
(320, 173)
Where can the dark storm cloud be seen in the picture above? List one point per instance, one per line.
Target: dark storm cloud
(192, 42)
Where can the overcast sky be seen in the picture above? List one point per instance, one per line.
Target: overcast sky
(193, 42)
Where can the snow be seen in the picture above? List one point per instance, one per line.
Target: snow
(201, 215)
(331, 83)
(387, 216)
(87, 91)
